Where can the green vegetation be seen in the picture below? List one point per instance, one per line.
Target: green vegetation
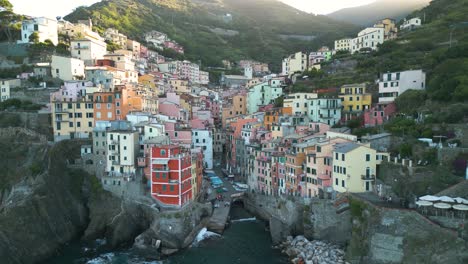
(10, 26)
(259, 24)
(18, 104)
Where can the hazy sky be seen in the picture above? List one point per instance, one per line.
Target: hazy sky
(53, 8)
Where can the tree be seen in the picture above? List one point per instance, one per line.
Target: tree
(34, 38)
(410, 101)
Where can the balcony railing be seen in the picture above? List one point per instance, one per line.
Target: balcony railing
(368, 177)
(81, 47)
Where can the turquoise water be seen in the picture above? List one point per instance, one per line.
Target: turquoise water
(243, 242)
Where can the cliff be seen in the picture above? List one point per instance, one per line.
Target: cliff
(44, 205)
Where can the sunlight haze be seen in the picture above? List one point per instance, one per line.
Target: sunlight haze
(53, 8)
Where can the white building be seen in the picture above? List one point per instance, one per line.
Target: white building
(122, 61)
(204, 77)
(368, 38)
(411, 23)
(67, 69)
(6, 85)
(325, 110)
(88, 49)
(45, 28)
(294, 63)
(190, 71)
(112, 34)
(299, 102)
(343, 44)
(204, 140)
(392, 85)
(122, 151)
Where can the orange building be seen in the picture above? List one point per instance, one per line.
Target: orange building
(116, 103)
(236, 106)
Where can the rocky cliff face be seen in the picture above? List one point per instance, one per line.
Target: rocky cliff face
(285, 216)
(382, 235)
(44, 205)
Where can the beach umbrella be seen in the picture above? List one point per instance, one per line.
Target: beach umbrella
(424, 204)
(461, 200)
(446, 199)
(443, 206)
(429, 198)
(462, 208)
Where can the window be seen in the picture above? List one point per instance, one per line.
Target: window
(109, 114)
(342, 183)
(78, 124)
(98, 106)
(336, 182)
(164, 187)
(343, 157)
(90, 124)
(98, 115)
(172, 188)
(162, 152)
(367, 157)
(70, 124)
(385, 85)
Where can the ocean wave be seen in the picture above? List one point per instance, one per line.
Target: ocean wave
(204, 234)
(102, 259)
(244, 220)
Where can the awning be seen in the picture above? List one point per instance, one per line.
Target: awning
(460, 207)
(424, 203)
(442, 206)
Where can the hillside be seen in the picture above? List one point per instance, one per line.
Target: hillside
(259, 23)
(427, 48)
(368, 14)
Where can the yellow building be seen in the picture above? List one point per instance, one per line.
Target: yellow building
(390, 28)
(354, 168)
(72, 114)
(180, 86)
(354, 100)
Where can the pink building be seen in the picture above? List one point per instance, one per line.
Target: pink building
(174, 46)
(179, 133)
(319, 128)
(71, 91)
(379, 113)
(319, 172)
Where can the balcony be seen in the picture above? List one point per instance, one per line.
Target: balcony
(330, 106)
(115, 162)
(80, 47)
(114, 142)
(60, 111)
(368, 177)
(326, 116)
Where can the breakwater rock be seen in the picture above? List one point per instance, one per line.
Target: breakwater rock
(301, 250)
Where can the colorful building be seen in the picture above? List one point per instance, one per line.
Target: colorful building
(354, 100)
(171, 175)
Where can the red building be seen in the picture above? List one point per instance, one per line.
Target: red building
(105, 62)
(171, 174)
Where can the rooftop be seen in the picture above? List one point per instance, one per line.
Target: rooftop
(346, 147)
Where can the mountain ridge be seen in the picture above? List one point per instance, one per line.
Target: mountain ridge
(368, 14)
(259, 24)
